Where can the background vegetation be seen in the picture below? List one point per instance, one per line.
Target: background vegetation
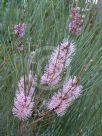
(47, 26)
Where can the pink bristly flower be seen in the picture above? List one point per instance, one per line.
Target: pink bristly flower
(60, 58)
(20, 29)
(64, 98)
(75, 25)
(24, 99)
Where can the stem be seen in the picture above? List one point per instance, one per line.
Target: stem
(40, 119)
(21, 129)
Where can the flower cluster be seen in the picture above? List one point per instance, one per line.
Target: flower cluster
(75, 23)
(65, 97)
(59, 59)
(24, 99)
(20, 30)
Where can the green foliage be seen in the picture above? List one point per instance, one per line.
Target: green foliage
(47, 26)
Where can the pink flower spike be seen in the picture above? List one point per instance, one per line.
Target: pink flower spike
(22, 106)
(75, 25)
(60, 58)
(63, 99)
(24, 98)
(20, 30)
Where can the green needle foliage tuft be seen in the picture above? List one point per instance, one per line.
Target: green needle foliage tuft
(47, 25)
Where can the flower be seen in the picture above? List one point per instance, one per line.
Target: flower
(75, 25)
(24, 99)
(60, 58)
(65, 97)
(20, 30)
(20, 47)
